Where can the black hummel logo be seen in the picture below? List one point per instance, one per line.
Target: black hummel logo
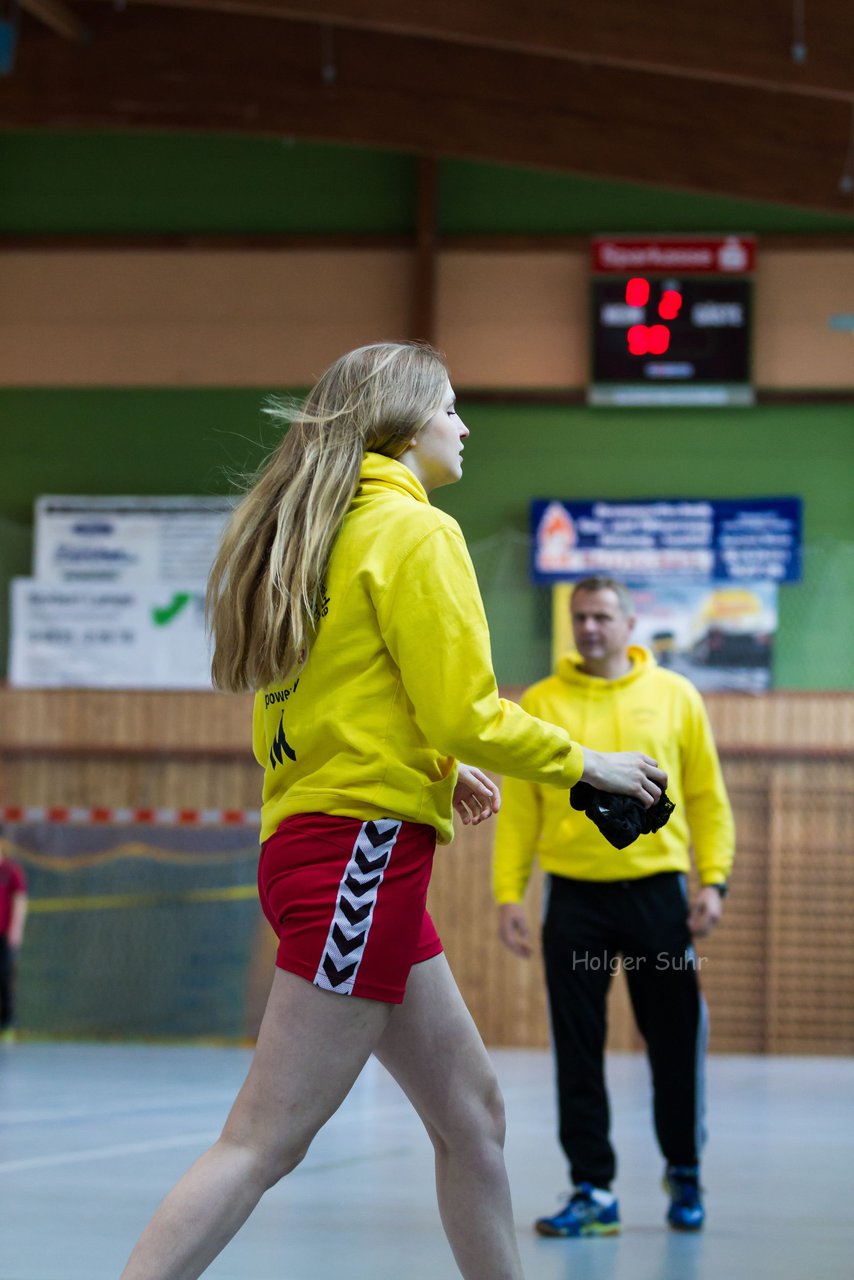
(344, 944)
(356, 915)
(359, 888)
(376, 836)
(335, 975)
(281, 747)
(366, 866)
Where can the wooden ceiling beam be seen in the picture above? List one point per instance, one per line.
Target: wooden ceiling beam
(58, 17)
(747, 42)
(426, 264)
(227, 73)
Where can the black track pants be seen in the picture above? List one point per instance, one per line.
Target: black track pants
(591, 929)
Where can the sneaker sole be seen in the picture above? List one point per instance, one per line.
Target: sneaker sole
(592, 1229)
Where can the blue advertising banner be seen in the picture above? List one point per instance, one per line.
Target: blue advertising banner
(727, 540)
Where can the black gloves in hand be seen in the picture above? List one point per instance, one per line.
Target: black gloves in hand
(621, 819)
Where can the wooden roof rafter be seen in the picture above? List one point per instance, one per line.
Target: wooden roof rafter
(738, 42)
(571, 89)
(58, 17)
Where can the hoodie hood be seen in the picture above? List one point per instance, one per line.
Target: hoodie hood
(569, 669)
(376, 467)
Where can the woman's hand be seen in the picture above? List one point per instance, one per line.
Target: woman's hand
(476, 796)
(628, 773)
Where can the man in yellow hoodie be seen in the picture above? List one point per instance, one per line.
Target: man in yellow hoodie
(607, 908)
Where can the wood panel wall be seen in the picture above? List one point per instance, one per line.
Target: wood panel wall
(506, 318)
(779, 973)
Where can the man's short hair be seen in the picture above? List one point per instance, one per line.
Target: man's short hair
(599, 582)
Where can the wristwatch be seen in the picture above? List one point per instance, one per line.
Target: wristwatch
(722, 888)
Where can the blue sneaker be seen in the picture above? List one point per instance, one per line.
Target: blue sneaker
(682, 1184)
(588, 1212)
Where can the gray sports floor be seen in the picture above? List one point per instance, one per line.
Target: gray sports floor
(91, 1136)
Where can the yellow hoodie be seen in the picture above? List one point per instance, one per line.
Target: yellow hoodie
(649, 710)
(399, 682)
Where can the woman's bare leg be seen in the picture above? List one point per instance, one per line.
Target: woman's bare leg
(432, 1048)
(311, 1047)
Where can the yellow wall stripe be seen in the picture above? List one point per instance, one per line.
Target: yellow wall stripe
(121, 901)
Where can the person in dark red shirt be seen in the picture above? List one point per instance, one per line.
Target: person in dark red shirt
(13, 913)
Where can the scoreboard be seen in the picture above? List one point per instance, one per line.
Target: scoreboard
(671, 321)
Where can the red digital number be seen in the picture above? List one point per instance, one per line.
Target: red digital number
(670, 304)
(637, 336)
(637, 292)
(653, 339)
(648, 339)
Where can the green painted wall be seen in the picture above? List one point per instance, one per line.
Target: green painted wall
(134, 183)
(173, 442)
(196, 441)
(516, 454)
(104, 183)
(481, 197)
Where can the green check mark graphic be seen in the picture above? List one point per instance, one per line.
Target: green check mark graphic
(171, 610)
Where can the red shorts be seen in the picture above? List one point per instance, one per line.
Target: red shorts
(347, 900)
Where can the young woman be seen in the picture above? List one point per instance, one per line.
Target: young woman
(350, 604)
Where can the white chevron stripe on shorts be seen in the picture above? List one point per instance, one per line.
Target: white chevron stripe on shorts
(354, 906)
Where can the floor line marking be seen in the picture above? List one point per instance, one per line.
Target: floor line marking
(58, 1115)
(104, 1153)
(185, 1140)
(160, 1144)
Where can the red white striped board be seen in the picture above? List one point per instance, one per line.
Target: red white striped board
(128, 817)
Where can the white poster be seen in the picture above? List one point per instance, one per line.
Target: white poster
(127, 539)
(104, 636)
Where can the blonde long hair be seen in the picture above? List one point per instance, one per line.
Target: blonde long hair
(264, 590)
